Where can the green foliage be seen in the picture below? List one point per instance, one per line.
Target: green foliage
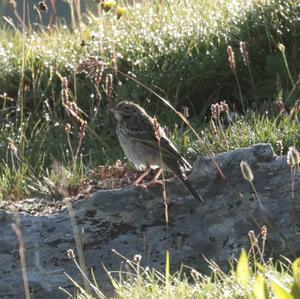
(265, 281)
(260, 290)
(242, 270)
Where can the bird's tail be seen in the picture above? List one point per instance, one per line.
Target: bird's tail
(190, 188)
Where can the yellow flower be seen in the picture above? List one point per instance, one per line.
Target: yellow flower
(108, 5)
(120, 11)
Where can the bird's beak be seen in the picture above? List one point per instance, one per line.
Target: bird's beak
(116, 113)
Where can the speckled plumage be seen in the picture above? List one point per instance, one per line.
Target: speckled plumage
(136, 133)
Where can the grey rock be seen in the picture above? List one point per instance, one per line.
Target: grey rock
(131, 221)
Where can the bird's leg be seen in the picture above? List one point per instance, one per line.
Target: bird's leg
(155, 179)
(136, 182)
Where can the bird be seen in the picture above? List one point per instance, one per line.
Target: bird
(146, 145)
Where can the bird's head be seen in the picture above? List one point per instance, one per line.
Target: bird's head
(127, 109)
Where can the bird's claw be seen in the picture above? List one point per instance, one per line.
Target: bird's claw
(154, 182)
(141, 185)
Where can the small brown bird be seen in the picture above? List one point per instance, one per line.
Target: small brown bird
(146, 145)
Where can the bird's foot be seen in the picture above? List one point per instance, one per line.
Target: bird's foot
(154, 182)
(140, 185)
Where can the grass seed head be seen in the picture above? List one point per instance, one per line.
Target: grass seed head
(71, 254)
(215, 110)
(82, 129)
(13, 4)
(293, 157)
(156, 128)
(92, 67)
(109, 85)
(186, 112)
(43, 6)
(244, 53)
(252, 237)
(246, 171)
(224, 107)
(279, 145)
(68, 128)
(281, 47)
(137, 258)
(12, 146)
(64, 90)
(231, 58)
(264, 232)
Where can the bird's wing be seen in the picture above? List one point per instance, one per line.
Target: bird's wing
(168, 150)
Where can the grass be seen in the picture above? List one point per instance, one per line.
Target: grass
(55, 127)
(176, 49)
(247, 278)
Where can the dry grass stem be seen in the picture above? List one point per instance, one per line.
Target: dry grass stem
(79, 245)
(281, 48)
(158, 137)
(293, 160)
(73, 112)
(255, 246)
(216, 110)
(16, 228)
(264, 235)
(232, 65)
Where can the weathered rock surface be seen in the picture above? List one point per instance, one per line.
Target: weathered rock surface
(131, 221)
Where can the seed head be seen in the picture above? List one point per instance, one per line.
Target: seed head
(43, 6)
(82, 128)
(293, 157)
(64, 90)
(246, 171)
(137, 258)
(231, 58)
(109, 85)
(264, 232)
(244, 53)
(215, 110)
(12, 146)
(282, 107)
(252, 237)
(281, 47)
(68, 128)
(93, 67)
(13, 4)
(71, 254)
(156, 128)
(186, 112)
(224, 106)
(279, 145)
